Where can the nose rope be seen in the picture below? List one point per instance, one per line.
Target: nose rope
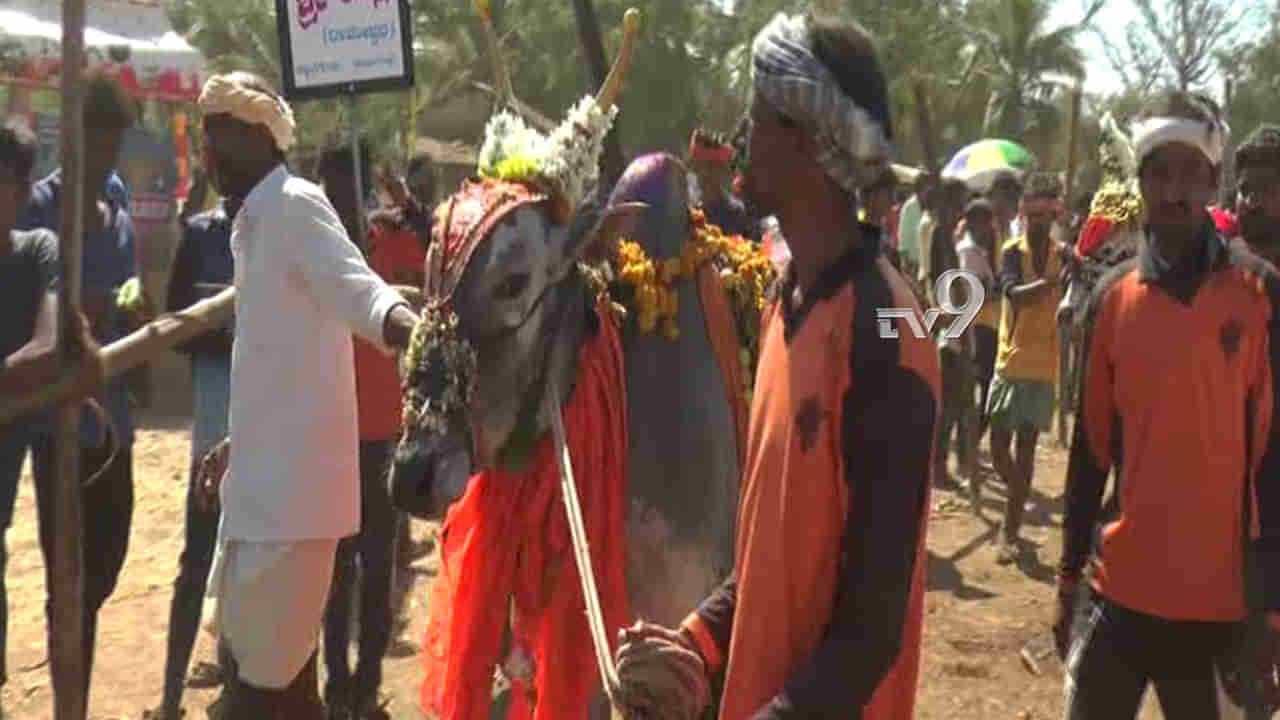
(581, 551)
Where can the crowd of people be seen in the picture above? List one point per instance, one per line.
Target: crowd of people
(1173, 582)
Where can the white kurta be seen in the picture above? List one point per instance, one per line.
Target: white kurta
(302, 289)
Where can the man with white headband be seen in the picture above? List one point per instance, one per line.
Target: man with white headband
(1178, 395)
(822, 615)
(291, 490)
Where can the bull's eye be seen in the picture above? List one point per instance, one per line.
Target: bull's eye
(513, 286)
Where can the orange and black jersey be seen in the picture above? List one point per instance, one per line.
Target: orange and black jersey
(822, 615)
(1178, 396)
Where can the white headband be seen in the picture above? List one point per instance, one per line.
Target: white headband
(1207, 137)
(223, 95)
(853, 145)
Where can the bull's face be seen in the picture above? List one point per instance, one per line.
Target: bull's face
(506, 305)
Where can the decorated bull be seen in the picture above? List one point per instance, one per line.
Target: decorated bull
(1110, 236)
(641, 352)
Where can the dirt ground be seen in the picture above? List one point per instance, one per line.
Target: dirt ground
(981, 616)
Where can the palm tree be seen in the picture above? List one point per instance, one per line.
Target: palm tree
(1025, 61)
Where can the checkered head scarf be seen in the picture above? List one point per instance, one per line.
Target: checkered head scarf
(854, 146)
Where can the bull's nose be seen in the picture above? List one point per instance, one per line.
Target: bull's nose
(424, 483)
(410, 479)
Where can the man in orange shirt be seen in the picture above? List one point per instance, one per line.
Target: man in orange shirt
(822, 614)
(397, 255)
(1179, 396)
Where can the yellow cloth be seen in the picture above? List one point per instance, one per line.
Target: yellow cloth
(229, 94)
(1029, 337)
(989, 315)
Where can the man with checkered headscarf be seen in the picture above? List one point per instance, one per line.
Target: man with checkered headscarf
(822, 614)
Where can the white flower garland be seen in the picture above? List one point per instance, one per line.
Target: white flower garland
(565, 163)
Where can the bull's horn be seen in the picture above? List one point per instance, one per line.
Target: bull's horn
(612, 84)
(501, 78)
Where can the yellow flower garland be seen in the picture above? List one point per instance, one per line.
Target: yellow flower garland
(745, 272)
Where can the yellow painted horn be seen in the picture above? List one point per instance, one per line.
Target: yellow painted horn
(613, 83)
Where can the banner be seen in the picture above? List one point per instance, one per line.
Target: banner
(341, 47)
(132, 40)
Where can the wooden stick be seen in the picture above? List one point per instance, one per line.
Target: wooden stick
(926, 127)
(67, 656)
(1064, 343)
(137, 348)
(581, 551)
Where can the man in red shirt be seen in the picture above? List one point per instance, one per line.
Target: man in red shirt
(396, 254)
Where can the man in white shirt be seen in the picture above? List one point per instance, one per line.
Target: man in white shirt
(292, 488)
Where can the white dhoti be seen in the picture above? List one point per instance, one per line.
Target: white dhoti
(271, 602)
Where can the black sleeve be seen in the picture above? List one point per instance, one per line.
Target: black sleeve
(887, 434)
(717, 611)
(1010, 270)
(181, 291)
(1096, 443)
(419, 218)
(1267, 480)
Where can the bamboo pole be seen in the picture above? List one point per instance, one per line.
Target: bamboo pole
(67, 656)
(137, 348)
(140, 347)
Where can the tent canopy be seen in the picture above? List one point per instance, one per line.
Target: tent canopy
(132, 38)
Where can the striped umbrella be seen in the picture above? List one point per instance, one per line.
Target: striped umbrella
(979, 164)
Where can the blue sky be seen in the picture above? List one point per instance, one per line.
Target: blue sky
(1116, 14)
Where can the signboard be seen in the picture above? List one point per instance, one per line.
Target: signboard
(339, 47)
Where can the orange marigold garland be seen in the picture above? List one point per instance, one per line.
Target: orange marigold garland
(649, 289)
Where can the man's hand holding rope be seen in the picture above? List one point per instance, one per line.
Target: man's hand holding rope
(661, 674)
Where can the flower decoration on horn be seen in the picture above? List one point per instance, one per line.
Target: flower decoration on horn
(564, 164)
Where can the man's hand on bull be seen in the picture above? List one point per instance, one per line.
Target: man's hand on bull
(213, 466)
(660, 673)
(398, 326)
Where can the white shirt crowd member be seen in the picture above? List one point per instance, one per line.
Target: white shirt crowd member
(292, 488)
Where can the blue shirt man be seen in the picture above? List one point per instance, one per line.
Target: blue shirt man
(109, 261)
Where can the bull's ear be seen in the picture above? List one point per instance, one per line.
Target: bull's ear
(594, 229)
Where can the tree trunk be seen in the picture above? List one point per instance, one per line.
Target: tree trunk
(593, 46)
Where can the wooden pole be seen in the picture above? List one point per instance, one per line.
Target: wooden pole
(1077, 99)
(1228, 162)
(140, 347)
(1066, 369)
(926, 128)
(137, 348)
(67, 656)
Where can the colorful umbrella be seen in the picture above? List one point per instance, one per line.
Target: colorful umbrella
(982, 162)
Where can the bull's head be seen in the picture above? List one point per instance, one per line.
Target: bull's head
(501, 296)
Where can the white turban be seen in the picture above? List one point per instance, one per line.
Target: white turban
(853, 145)
(1210, 137)
(226, 94)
